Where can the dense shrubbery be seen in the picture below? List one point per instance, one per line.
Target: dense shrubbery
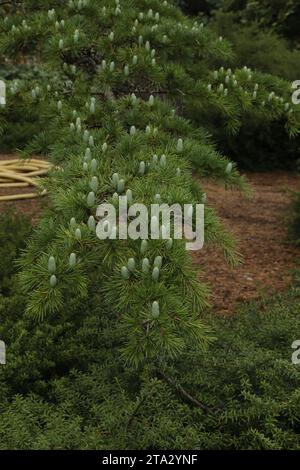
(263, 48)
(65, 385)
(253, 28)
(261, 147)
(280, 16)
(258, 146)
(294, 218)
(21, 122)
(194, 7)
(14, 231)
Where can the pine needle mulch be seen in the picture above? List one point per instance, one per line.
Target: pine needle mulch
(260, 226)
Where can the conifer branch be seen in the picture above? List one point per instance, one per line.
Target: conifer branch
(181, 391)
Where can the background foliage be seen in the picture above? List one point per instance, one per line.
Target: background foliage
(14, 231)
(265, 36)
(65, 385)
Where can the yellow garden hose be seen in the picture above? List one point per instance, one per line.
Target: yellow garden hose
(21, 173)
(15, 197)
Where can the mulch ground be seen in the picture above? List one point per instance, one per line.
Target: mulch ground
(259, 225)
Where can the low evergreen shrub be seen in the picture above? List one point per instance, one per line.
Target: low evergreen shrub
(15, 229)
(65, 385)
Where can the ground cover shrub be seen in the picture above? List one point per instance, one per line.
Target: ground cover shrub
(14, 232)
(66, 386)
